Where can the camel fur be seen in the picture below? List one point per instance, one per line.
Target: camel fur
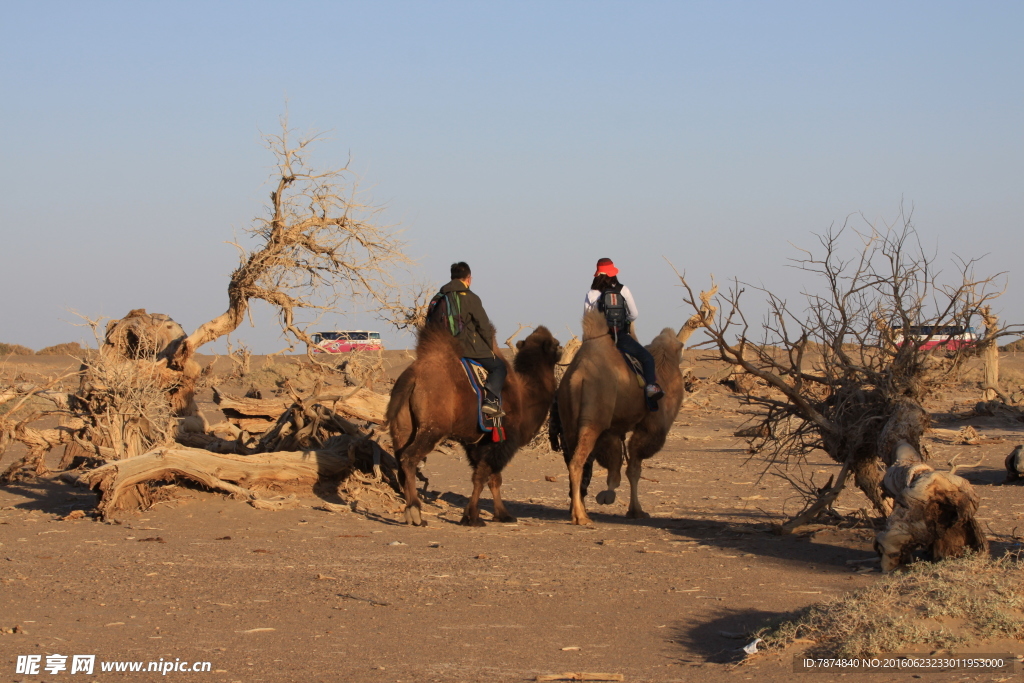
(433, 400)
(1015, 465)
(599, 402)
(933, 510)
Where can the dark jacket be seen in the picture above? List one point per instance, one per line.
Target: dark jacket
(477, 331)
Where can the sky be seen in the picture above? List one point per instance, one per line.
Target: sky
(526, 138)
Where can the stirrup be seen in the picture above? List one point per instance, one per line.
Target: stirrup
(492, 408)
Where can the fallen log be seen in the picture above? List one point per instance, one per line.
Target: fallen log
(361, 404)
(933, 510)
(38, 443)
(123, 485)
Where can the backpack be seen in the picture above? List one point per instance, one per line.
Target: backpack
(442, 311)
(613, 306)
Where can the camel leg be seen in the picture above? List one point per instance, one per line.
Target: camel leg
(588, 473)
(614, 475)
(584, 445)
(633, 469)
(471, 517)
(410, 459)
(500, 512)
(643, 444)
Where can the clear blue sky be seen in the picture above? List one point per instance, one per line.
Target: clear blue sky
(527, 138)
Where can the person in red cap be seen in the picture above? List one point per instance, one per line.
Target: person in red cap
(614, 299)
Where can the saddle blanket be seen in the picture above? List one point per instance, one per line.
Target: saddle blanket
(477, 376)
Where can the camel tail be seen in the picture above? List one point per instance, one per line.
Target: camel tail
(398, 405)
(555, 427)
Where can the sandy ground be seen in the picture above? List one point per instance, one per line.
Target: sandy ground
(307, 595)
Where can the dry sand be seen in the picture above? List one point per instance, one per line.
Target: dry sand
(307, 595)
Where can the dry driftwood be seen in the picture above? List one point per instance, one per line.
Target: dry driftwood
(123, 484)
(933, 510)
(37, 442)
(990, 353)
(361, 404)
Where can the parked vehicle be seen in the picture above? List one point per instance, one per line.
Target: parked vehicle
(343, 341)
(951, 337)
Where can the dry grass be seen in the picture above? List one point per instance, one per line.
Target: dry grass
(65, 349)
(1014, 346)
(955, 603)
(273, 374)
(15, 349)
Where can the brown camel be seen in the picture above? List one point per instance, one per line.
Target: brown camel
(433, 400)
(600, 402)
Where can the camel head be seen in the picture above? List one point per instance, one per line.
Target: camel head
(539, 350)
(667, 346)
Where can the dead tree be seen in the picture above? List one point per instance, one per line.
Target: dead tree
(841, 377)
(316, 248)
(989, 351)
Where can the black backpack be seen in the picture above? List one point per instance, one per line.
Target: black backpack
(613, 306)
(442, 311)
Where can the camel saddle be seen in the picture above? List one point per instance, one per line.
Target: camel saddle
(477, 375)
(638, 369)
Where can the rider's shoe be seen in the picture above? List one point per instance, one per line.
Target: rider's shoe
(492, 408)
(654, 392)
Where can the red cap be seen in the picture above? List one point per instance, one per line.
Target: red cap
(606, 267)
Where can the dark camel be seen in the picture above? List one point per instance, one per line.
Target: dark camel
(433, 400)
(600, 402)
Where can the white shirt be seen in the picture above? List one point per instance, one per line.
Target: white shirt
(594, 295)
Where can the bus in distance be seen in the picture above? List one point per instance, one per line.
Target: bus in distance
(344, 341)
(951, 337)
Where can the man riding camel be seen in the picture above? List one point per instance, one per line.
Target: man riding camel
(614, 299)
(467, 321)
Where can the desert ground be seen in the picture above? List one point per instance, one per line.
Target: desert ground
(307, 595)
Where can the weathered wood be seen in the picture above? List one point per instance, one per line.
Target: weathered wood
(990, 354)
(361, 404)
(934, 510)
(38, 443)
(242, 476)
(253, 425)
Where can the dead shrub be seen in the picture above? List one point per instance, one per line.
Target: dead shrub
(1014, 346)
(15, 350)
(66, 349)
(955, 603)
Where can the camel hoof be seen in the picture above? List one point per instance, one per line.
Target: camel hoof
(637, 514)
(412, 516)
(469, 521)
(581, 519)
(506, 519)
(606, 497)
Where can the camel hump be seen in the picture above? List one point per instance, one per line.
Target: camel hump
(434, 339)
(594, 325)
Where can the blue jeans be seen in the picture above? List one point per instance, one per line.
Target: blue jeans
(626, 343)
